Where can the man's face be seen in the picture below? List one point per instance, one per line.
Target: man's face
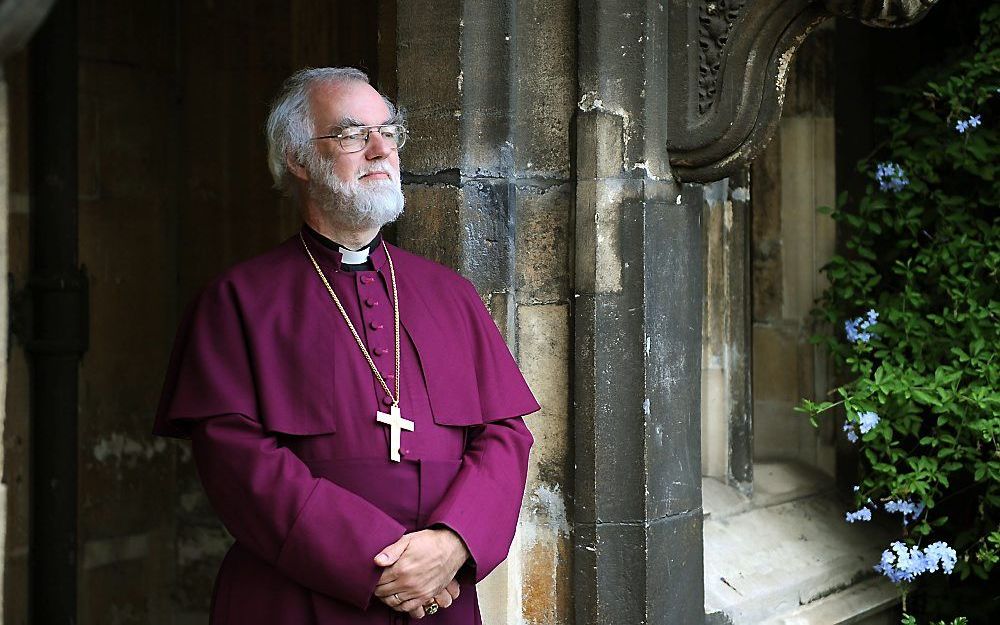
(357, 189)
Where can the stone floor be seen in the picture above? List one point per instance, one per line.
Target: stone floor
(786, 556)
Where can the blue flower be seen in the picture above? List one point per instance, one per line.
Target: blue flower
(903, 564)
(965, 124)
(907, 508)
(852, 435)
(868, 421)
(857, 329)
(940, 553)
(863, 514)
(891, 176)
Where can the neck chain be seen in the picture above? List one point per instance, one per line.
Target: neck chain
(394, 396)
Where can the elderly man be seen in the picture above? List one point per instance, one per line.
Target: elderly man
(354, 413)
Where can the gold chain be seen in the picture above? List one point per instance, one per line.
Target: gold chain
(357, 337)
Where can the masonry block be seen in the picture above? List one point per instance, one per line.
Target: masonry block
(600, 148)
(484, 86)
(427, 226)
(430, 84)
(544, 87)
(542, 241)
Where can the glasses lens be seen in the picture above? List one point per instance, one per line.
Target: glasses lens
(395, 134)
(354, 141)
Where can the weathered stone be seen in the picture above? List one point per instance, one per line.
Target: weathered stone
(600, 151)
(487, 243)
(542, 240)
(776, 376)
(598, 232)
(484, 79)
(428, 37)
(765, 192)
(726, 345)
(424, 226)
(544, 340)
(772, 578)
(633, 584)
(544, 87)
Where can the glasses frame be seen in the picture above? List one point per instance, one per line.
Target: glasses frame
(403, 133)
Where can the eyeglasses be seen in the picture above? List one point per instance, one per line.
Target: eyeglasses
(355, 138)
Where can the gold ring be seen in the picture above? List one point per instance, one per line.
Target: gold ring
(432, 607)
(397, 599)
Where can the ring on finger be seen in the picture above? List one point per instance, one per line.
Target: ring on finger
(397, 599)
(432, 607)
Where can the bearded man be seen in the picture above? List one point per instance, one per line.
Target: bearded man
(354, 414)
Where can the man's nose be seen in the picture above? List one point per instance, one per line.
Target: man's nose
(377, 146)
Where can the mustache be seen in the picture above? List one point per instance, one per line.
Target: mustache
(376, 168)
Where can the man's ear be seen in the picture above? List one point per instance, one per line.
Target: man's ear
(296, 167)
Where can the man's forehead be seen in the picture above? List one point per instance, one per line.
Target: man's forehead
(357, 102)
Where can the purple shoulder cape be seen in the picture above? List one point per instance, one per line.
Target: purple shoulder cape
(259, 340)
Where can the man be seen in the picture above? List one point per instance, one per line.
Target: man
(353, 410)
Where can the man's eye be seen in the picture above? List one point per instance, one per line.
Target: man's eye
(389, 133)
(354, 135)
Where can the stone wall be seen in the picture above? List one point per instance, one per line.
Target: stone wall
(790, 241)
(490, 89)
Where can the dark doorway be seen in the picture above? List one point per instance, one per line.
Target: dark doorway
(172, 187)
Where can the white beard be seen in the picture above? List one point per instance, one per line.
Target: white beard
(353, 203)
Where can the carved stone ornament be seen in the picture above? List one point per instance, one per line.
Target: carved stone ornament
(18, 21)
(726, 92)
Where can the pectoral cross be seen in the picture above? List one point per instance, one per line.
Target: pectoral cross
(396, 423)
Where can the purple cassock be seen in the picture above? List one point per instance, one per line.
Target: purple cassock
(280, 405)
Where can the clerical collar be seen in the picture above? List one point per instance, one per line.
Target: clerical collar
(350, 260)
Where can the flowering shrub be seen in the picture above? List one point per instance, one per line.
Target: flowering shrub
(916, 293)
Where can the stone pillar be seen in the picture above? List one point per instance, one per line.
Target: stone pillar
(489, 88)
(726, 424)
(639, 289)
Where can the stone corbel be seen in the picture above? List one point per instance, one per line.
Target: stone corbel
(729, 64)
(19, 19)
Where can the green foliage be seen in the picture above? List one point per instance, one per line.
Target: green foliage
(926, 256)
(909, 620)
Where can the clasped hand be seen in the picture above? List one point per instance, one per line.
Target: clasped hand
(419, 567)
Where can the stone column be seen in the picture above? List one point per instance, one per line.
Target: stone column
(726, 411)
(489, 88)
(639, 289)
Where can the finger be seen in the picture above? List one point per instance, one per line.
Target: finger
(387, 577)
(389, 555)
(443, 599)
(417, 614)
(393, 600)
(386, 590)
(453, 589)
(413, 604)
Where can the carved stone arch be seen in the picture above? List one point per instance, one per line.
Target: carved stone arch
(727, 91)
(19, 19)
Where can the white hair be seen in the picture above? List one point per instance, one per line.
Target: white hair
(290, 125)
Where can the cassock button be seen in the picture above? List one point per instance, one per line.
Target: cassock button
(375, 325)
(387, 401)
(371, 303)
(367, 279)
(381, 351)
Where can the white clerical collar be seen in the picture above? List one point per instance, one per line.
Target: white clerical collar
(351, 257)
